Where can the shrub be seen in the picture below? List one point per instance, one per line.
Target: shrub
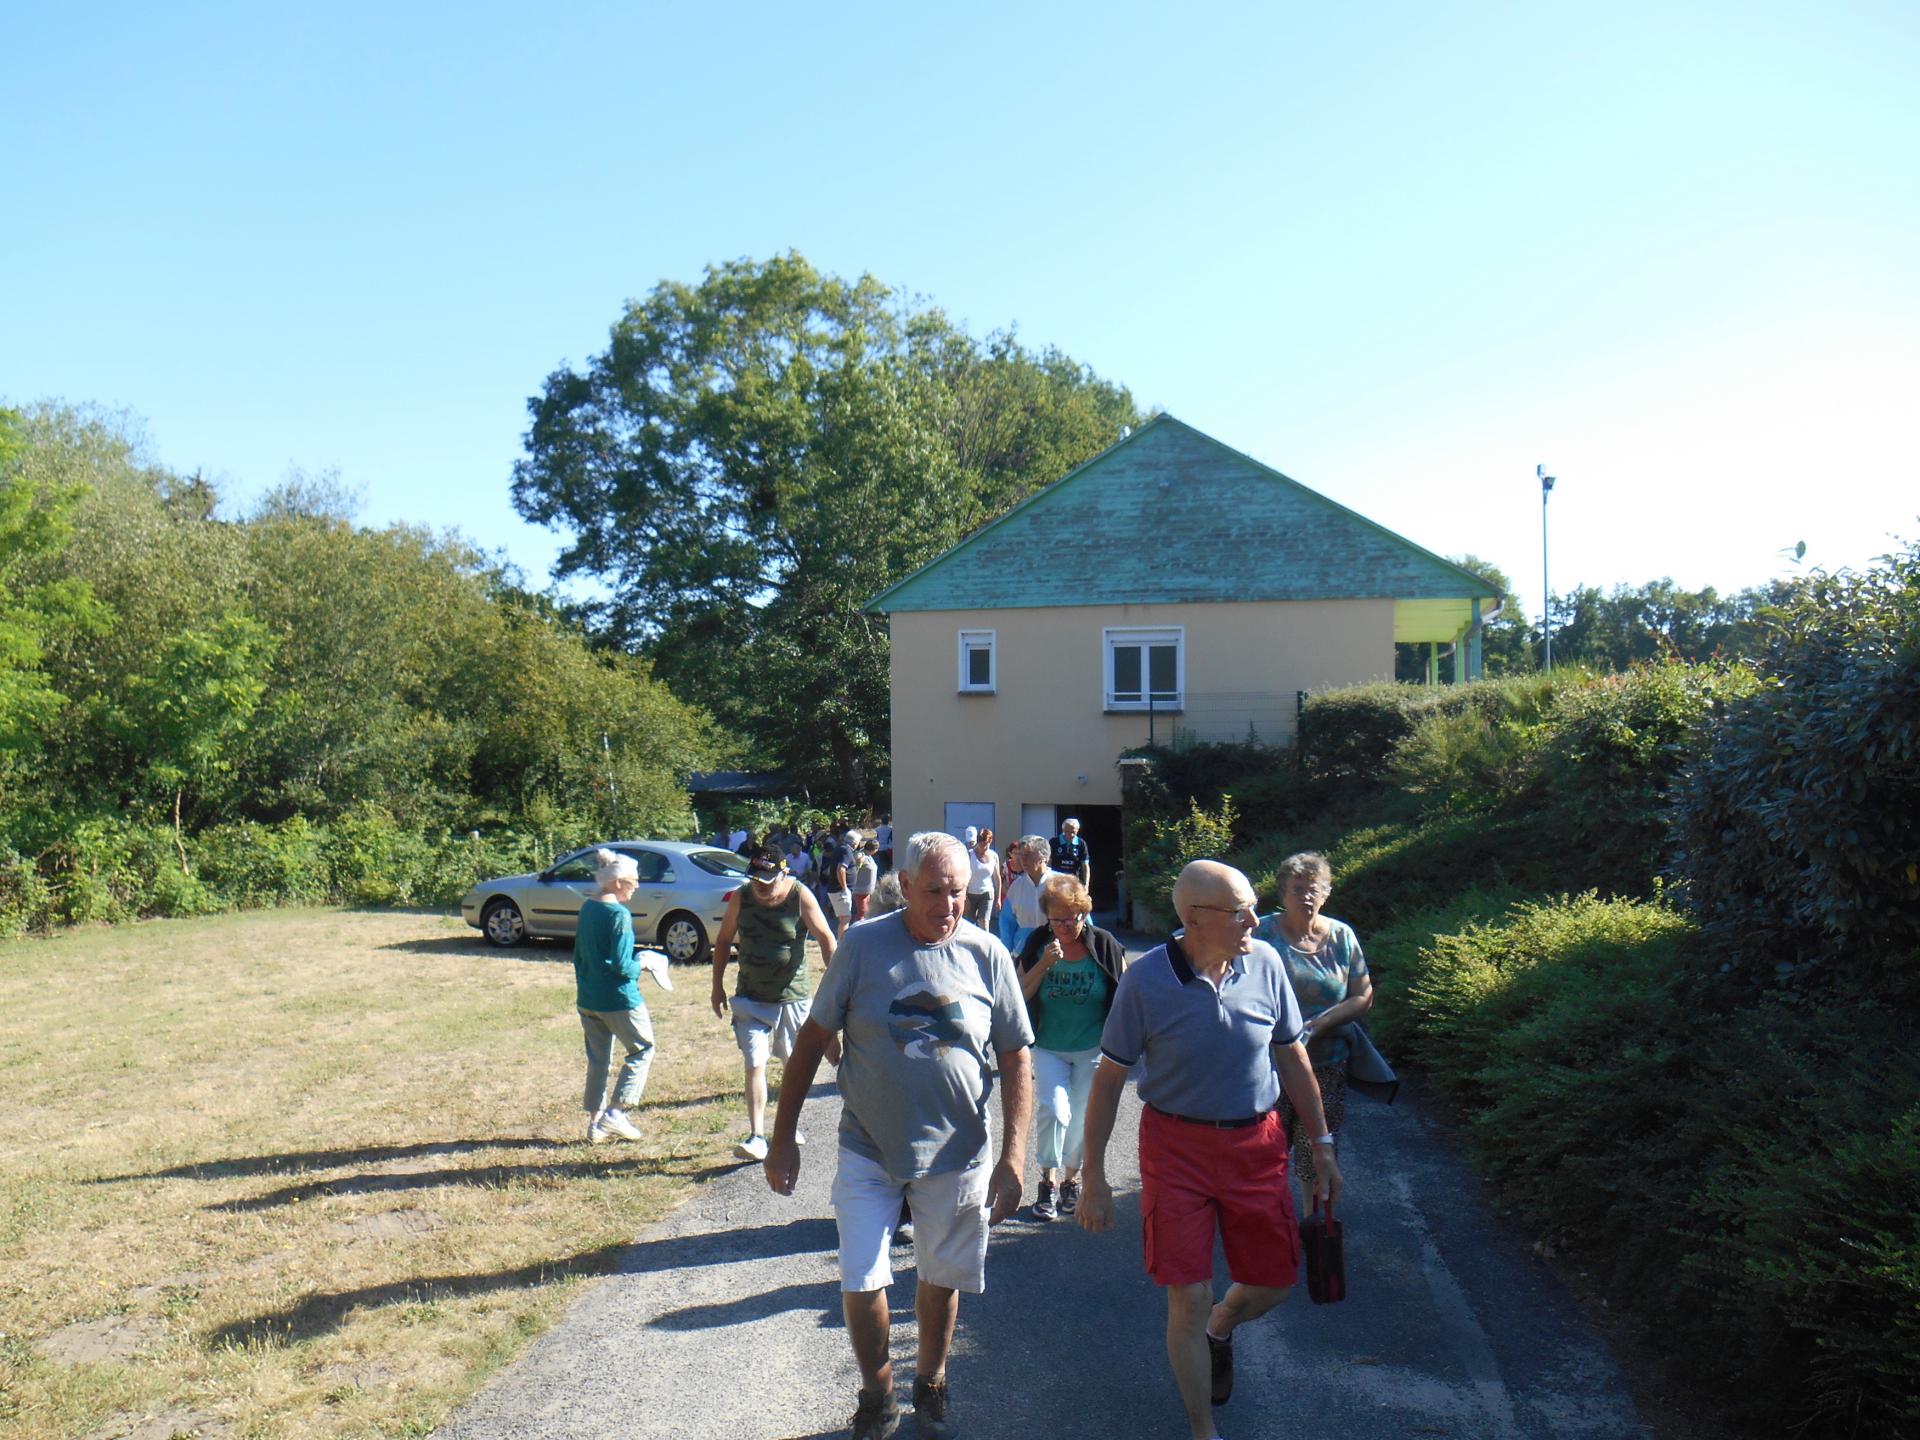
(1797, 831)
(1609, 750)
(1160, 850)
(254, 866)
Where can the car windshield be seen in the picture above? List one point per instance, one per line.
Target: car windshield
(719, 862)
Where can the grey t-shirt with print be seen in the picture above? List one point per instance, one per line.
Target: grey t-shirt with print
(919, 1025)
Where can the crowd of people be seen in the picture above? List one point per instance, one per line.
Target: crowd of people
(959, 971)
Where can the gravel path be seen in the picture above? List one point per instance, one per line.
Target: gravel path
(725, 1321)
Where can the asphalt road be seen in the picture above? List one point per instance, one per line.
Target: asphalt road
(724, 1321)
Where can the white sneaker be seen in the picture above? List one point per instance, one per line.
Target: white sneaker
(754, 1147)
(597, 1132)
(615, 1122)
(653, 963)
(799, 1137)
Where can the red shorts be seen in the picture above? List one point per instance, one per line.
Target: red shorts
(1194, 1178)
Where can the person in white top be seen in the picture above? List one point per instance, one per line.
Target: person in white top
(1023, 894)
(983, 879)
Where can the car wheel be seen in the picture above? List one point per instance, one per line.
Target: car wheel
(684, 938)
(502, 923)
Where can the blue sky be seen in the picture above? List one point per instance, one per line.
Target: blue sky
(1402, 252)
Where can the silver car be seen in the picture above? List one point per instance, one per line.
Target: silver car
(677, 907)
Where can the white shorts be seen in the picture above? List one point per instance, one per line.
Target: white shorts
(762, 1028)
(842, 908)
(949, 1224)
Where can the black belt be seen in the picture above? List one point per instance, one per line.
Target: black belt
(1239, 1123)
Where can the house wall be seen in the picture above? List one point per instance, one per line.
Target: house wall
(1043, 729)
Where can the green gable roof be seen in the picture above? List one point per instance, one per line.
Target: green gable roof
(1171, 515)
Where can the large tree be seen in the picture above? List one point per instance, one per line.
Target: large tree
(754, 457)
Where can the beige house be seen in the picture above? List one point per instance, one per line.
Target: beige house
(1169, 583)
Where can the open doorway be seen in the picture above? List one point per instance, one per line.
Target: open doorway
(1100, 828)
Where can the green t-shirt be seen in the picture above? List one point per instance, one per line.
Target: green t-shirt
(1073, 998)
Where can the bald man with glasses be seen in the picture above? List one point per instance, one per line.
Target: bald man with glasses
(1212, 1015)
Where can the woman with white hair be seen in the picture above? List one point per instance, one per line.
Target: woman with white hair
(606, 982)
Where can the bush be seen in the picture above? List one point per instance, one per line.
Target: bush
(1160, 850)
(1753, 1170)
(256, 866)
(1797, 831)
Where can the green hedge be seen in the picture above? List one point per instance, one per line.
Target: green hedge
(1751, 1170)
(104, 870)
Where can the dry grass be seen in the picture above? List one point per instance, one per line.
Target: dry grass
(309, 1173)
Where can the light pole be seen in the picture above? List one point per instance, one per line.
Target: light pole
(1546, 592)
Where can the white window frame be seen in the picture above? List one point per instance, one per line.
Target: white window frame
(988, 640)
(1116, 637)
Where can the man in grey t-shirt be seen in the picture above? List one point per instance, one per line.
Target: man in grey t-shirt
(925, 1003)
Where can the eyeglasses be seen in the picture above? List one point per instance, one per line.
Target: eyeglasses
(1242, 913)
(1072, 921)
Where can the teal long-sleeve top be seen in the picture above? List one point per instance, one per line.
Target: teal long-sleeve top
(605, 974)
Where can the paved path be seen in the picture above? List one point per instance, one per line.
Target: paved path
(725, 1322)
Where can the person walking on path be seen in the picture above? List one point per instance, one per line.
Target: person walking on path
(1023, 895)
(1212, 1015)
(866, 874)
(983, 877)
(836, 870)
(1069, 972)
(925, 1003)
(770, 917)
(1071, 855)
(606, 989)
(1330, 980)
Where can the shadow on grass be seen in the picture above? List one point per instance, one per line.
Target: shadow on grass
(592, 1166)
(531, 950)
(325, 1311)
(296, 1161)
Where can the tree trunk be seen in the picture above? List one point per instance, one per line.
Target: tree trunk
(178, 843)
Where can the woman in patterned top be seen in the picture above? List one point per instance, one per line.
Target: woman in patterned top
(1330, 980)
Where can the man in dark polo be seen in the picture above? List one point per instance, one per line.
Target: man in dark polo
(1213, 1016)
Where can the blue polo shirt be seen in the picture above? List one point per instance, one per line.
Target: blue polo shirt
(1206, 1050)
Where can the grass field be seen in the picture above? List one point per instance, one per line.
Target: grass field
(311, 1172)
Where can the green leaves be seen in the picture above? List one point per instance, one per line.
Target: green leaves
(756, 456)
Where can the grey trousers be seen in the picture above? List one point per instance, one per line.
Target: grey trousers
(635, 1031)
(980, 908)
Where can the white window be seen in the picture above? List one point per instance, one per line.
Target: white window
(976, 661)
(1146, 667)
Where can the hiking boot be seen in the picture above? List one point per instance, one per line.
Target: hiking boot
(1069, 1196)
(930, 1409)
(1043, 1206)
(1221, 1353)
(877, 1416)
(754, 1147)
(615, 1122)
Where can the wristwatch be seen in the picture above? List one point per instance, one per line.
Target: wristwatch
(1326, 1139)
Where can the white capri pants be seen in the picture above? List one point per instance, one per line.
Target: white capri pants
(1062, 1080)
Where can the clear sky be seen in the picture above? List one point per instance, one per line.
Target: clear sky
(1401, 251)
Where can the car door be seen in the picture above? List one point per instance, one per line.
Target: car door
(554, 899)
(653, 896)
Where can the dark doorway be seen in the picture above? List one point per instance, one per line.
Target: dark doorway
(1100, 828)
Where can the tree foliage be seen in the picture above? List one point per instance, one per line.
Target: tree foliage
(182, 679)
(754, 457)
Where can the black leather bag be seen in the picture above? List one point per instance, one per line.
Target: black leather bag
(1325, 1251)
